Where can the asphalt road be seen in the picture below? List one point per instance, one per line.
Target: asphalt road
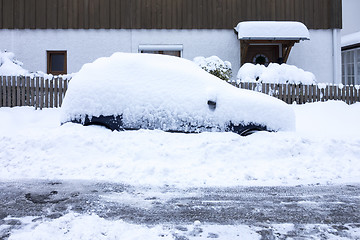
(334, 205)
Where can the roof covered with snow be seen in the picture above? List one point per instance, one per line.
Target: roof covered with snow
(350, 39)
(275, 30)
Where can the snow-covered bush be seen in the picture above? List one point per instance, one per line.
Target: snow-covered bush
(9, 66)
(274, 73)
(215, 66)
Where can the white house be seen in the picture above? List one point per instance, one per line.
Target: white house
(59, 36)
(350, 42)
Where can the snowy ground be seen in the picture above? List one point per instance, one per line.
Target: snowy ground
(325, 149)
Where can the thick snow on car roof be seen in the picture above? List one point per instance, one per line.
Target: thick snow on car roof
(168, 90)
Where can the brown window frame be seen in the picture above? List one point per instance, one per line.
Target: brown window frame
(49, 70)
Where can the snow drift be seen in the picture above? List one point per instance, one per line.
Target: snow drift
(275, 73)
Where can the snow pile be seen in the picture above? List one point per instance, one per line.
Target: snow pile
(215, 66)
(76, 226)
(258, 30)
(9, 66)
(164, 92)
(274, 73)
(322, 150)
(83, 226)
(350, 39)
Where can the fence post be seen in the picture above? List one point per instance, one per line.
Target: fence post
(351, 94)
(1, 91)
(297, 92)
(37, 92)
(27, 91)
(8, 91)
(65, 86)
(347, 94)
(52, 93)
(60, 91)
(331, 92)
(23, 85)
(18, 87)
(46, 93)
(5, 97)
(284, 92)
(32, 87)
(280, 91)
(41, 93)
(56, 92)
(335, 87)
(13, 91)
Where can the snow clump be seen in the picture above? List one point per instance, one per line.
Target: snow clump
(274, 73)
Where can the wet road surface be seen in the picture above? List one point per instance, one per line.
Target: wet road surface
(334, 205)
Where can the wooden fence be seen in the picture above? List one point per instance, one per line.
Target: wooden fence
(301, 94)
(48, 93)
(37, 92)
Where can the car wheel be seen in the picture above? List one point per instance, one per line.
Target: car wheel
(250, 131)
(246, 130)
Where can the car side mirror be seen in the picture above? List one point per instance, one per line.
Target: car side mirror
(212, 105)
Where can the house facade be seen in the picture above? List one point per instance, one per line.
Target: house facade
(59, 36)
(350, 43)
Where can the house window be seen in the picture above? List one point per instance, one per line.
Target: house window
(351, 67)
(57, 62)
(172, 50)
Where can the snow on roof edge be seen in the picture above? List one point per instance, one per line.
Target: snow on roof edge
(273, 30)
(350, 39)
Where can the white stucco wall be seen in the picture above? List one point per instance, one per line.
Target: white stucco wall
(85, 46)
(317, 55)
(351, 16)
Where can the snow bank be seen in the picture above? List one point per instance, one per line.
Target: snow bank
(350, 39)
(9, 66)
(323, 150)
(165, 91)
(257, 30)
(75, 226)
(274, 73)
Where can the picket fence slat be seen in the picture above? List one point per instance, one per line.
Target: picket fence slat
(1, 92)
(56, 93)
(51, 94)
(46, 93)
(42, 93)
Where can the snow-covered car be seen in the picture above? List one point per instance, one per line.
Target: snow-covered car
(130, 91)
